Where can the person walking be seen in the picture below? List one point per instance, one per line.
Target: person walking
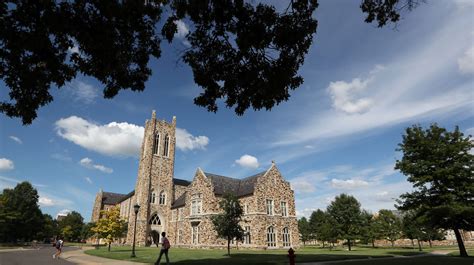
(59, 246)
(165, 246)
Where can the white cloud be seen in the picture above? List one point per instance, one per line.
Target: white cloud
(186, 141)
(63, 212)
(46, 202)
(302, 185)
(113, 139)
(348, 184)
(469, 131)
(83, 92)
(346, 96)
(248, 161)
(118, 139)
(89, 180)
(61, 157)
(306, 212)
(6, 164)
(466, 62)
(183, 30)
(16, 139)
(88, 163)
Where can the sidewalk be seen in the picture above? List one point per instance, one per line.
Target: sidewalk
(79, 257)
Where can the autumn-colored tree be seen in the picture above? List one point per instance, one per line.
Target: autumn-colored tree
(110, 226)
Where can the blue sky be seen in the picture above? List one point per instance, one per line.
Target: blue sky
(337, 133)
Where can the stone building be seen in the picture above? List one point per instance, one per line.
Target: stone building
(184, 208)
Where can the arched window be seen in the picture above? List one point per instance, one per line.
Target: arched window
(156, 144)
(162, 198)
(271, 237)
(286, 237)
(166, 146)
(155, 220)
(152, 197)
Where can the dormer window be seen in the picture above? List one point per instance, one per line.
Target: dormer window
(156, 144)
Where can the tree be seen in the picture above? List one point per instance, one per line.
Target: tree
(245, 53)
(49, 228)
(86, 231)
(227, 224)
(20, 215)
(345, 210)
(412, 228)
(440, 166)
(318, 227)
(72, 224)
(390, 225)
(303, 228)
(369, 229)
(110, 226)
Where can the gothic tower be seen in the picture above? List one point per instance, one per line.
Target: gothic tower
(154, 186)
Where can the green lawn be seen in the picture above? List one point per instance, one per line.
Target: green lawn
(274, 257)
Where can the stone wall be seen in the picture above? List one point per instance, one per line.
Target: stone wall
(97, 206)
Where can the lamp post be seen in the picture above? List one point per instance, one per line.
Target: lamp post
(136, 207)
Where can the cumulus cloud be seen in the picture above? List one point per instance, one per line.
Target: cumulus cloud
(348, 184)
(248, 161)
(46, 202)
(302, 185)
(16, 139)
(186, 141)
(466, 62)
(183, 31)
(118, 138)
(6, 164)
(88, 163)
(113, 139)
(83, 92)
(346, 96)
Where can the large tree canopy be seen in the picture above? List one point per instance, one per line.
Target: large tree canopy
(439, 163)
(247, 54)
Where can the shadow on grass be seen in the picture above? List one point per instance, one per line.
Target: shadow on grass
(406, 253)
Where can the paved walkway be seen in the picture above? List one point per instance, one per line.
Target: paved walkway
(79, 257)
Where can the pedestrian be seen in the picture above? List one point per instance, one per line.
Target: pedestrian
(165, 246)
(59, 246)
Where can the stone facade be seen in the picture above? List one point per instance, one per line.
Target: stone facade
(184, 209)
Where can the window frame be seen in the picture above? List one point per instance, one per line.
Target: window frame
(285, 212)
(156, 145)
(286, 237)
(271, 209)
(271, 237)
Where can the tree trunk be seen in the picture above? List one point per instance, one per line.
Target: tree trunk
(349, 244)
(228, 247)
(393, 243)
(323, 244)
(412, 243)
(462, 248)
(419, 245)
(373, 243)
(431, 245)
(109, 247)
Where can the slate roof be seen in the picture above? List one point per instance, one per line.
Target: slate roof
(179, 202)
(181, 182)
(111, 198)
(238, 187)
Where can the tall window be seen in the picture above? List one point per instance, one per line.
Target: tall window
(196, 204)
(180, 214)
(195, 234)
(180, 236)
(247, 240)
(152, 197)
(155, 220)
(166, 146)
(270, 207)
(156, 144)
(162, 197)
(284, 211)
(286, 237)
(271, 237)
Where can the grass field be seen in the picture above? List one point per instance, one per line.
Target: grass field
(278, 257)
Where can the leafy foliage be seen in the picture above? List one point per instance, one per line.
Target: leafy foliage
(227, 223)
(390, 225)
(346, 212)
(20, 216)
(245, 53)
(439, 163)
(110, 226)
(71, 226)
(304, 229)
(370, 229)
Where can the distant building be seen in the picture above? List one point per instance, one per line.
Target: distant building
(61, 216)
(183, 209)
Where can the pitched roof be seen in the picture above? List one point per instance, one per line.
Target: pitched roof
(238, 187)
(111, 198)
(181, 182)
(181, 201)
